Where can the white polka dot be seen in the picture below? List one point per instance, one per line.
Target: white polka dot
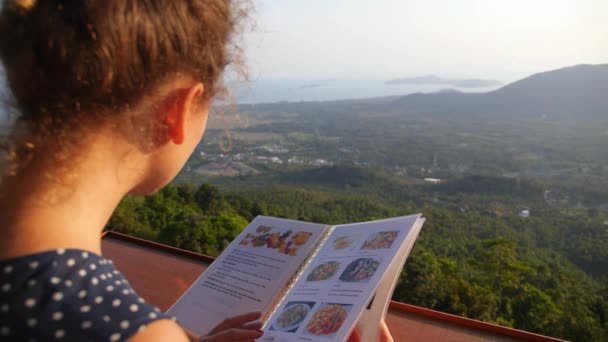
(31, 282)
(116, 302)
(141, 300)
(33, 264)
(57, 316)
(152, 315)
(85, 255)
(103, 277)
(59, 334)
(115, 337)
(57, 296)
(109, 288)
(98, 299)
(94, 281)
(68, 283)
(82, 272)
(55, 280)
(71, 262)
(61, 251)
(110, 275)
(8, 269)
(93, 267)
(4, 308)
(4, 331)
(115, 272)
(133, 307)
(85, 308)
(111, 262)
(30, 302)
(82, 294)
(157, 309)
(31, 322)
(6, 287)
(141, 327)
(117, 282)
(86, 324)
(124, 324)
(106, 318)
(125, 291)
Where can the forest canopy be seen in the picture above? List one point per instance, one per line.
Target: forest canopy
(543, 274)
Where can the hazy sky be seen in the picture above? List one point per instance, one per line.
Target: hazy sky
(503, 39)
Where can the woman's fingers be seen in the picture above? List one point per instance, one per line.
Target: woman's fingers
(229, 335)
(355, 336)
(236, 322)
(385, 334)
(256, 325)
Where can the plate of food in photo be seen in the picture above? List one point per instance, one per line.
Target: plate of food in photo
(291, 317)
(342, 242)
(323, 271)
(327, 320)
(360, 270)
(380, 240)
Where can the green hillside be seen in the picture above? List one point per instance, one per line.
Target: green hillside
(544, 274)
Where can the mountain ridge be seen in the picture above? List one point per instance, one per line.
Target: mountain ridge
(434, 79)
(565, 92)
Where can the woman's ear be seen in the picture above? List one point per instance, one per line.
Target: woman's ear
(182, 104)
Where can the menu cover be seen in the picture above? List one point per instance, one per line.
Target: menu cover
(312, 282)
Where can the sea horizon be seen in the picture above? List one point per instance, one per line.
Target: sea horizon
(319, 90)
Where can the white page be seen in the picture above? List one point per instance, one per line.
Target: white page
(370, 320)
(249, 274)
(339, 282)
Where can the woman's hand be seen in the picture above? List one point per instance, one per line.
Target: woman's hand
(238, 328)
(383, 336)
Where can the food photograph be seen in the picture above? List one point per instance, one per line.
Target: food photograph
(380, 240)
(328, 319)
(284, 242)
(360, 270)
(323, 271)
(342, 243)
(292, 316)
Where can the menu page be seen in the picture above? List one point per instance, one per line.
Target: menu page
(334, 289)
(249, 274)
(369, 321)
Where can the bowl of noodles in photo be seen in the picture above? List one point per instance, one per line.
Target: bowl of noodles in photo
(328, 319)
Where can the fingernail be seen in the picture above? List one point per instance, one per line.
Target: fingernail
(254, 325)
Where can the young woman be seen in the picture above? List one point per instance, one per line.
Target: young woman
(113, 97)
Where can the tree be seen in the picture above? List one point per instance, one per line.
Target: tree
(209, 199)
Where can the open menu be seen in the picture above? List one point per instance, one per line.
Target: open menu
(313, 282)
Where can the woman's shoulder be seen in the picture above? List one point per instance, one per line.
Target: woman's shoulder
(71, 295)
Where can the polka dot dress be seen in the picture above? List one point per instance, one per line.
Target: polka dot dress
(69, 295)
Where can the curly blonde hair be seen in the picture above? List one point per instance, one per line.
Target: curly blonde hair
(69, 62)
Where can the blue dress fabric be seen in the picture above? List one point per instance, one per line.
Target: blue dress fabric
(69, 295)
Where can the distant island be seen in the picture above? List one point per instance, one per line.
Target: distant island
(310, 86)
(432, 79)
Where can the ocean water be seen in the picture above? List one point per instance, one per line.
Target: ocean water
(295, 90)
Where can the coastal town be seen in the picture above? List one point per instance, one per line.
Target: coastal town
(246, 163)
